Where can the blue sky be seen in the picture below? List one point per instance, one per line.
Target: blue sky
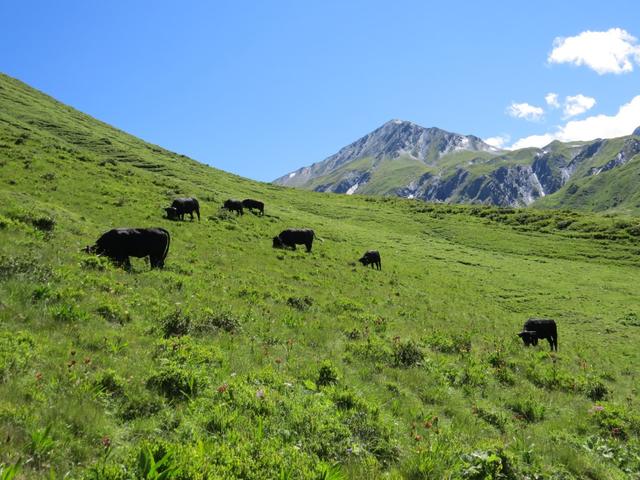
(260, 88)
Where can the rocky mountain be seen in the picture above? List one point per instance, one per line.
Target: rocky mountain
(637, 131)
(403, 159)
(395, 139)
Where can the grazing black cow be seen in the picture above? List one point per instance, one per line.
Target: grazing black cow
(234, 205)
(250, 204)
(172, 213)
(185, 205)
(371, 257)
(293, 236)
(121, 243)
(538, 329)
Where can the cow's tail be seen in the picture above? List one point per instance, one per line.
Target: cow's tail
(316, 237)
(166, 249)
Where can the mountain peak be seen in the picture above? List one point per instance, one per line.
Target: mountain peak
(394, 139)
(636, 132)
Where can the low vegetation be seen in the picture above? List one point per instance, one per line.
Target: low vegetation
(240, 361)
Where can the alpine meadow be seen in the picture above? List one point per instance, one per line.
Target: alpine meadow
(238, 360)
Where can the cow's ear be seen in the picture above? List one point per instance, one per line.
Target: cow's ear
(520, 334)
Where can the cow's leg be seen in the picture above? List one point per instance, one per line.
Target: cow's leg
(191, 213)
(124, 262)
(308, 245)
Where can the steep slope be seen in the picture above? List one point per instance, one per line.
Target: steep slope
(406, 160)
(240, 361)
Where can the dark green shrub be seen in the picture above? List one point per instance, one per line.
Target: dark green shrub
(527, 409)
(327, 374)
(595, 389)
(491, 416)
(407, 354)
(211, 322)
(176, 324)
(174, 382)
(110, 382)
(300, 303)
(139, 406)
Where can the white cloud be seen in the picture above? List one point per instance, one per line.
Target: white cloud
(552, 100)
(499, 141)
(526, 111)
(577, 104)
(533, 141)
(598, 126)
(613, 51)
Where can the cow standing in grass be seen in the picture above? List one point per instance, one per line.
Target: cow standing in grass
(539, 329)
(371, 257)
(234, 206)
(180, 206)
(292, 237)
(250, 204)
(121, 243)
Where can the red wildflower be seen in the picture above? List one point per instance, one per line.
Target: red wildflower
(106, 442)
(223, 388)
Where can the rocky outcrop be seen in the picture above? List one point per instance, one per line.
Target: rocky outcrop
(630, 149)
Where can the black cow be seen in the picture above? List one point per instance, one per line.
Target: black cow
(371, 257)
(234, 205)
(293, 236)
(250, 204)
(182, 206)
(172, 213)
(538, 329)
(121, 243)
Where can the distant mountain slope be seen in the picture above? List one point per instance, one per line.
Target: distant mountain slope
(403, 159)
(396, 139)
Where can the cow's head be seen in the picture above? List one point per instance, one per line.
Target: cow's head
(364, 260)
(529, 337)
(172, 213)
(277, 242)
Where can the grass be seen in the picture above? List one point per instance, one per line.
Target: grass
(241, 361)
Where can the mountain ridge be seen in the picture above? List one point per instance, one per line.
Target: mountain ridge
(395, 138)
(440, 166)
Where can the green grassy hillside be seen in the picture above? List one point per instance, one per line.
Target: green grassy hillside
(241, 361)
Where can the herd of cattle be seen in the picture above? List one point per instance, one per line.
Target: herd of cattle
(119, 244)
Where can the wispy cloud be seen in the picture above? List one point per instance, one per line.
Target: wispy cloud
(613, 51)
(525, 110)
(597, 126)
(577, 104)
(552, 100)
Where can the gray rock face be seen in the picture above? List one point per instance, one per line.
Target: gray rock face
(636, 132)
(391, 140)
(630, 149)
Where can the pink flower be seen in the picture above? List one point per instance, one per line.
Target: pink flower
(260, 394)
